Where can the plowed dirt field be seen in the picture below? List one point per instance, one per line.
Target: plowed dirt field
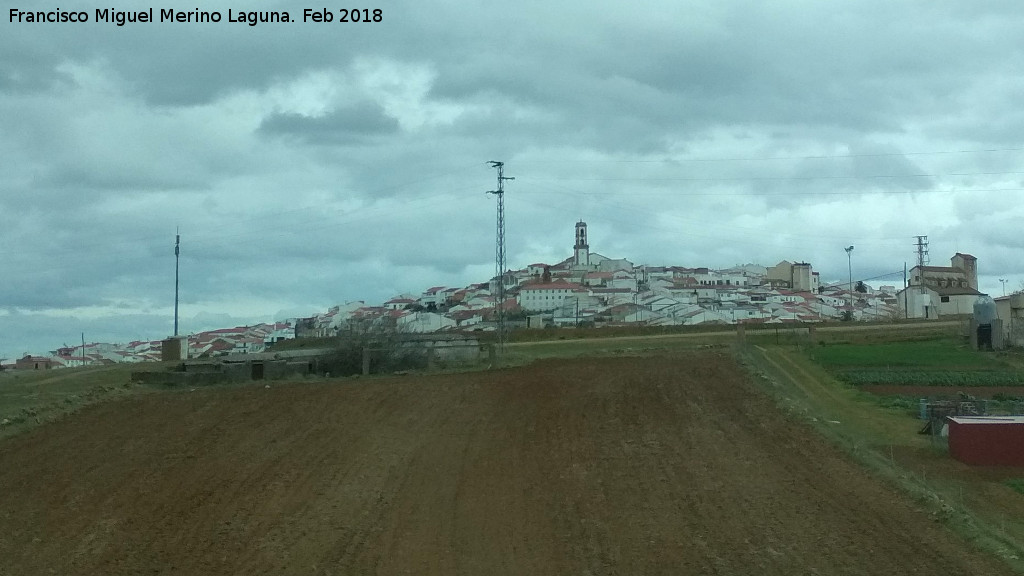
(673, 465)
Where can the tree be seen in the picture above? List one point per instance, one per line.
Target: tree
(860, 287)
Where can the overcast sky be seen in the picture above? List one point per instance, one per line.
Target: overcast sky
(312, 164)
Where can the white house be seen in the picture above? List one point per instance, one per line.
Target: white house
(933, 302)
(399, 303)
(434, 296)
(420, 322)
(936, 291)
(547, 296)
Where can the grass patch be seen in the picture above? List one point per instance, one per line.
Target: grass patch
(881, 434)
(31, 398)
(1015, 483)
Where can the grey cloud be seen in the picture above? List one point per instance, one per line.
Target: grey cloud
(592, 106)
(349, 125)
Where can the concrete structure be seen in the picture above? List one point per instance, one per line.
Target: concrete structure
(1010, 311)
(174, 348)
(421, 322)
(932, 303)
(612, 264)
(962, 273)
(989, 336)
(937, 291)
(536, 321)
(796, 276)
(969, 265)
(444, 349)
(987, 440)
(34, 363)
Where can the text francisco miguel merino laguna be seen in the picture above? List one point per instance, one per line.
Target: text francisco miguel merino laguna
(122, 17)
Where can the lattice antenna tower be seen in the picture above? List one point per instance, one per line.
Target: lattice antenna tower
(499, 250)
(922, 250)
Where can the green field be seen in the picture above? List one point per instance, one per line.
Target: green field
(932, 377)
(940, 362)
(944, 353)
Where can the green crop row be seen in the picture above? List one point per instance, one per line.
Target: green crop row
(929, 355)
(931, 378)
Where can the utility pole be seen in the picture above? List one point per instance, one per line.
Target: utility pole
(177, 243)
(906, 288)
(499, 250)
(1004, 285)
(83, 348)
(922, 260)
(849, 263)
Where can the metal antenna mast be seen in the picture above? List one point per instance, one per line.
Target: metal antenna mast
(922, 250)
(499, 250)
(177, 243)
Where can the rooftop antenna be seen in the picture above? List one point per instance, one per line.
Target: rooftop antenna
(177, 251)
(499, 250)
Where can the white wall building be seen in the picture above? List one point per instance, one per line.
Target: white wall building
(545, 297)
(936, 291)
(421, 322)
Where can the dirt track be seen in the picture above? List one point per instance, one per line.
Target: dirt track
(612, 466)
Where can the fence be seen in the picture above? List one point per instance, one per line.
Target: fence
(789, 333)
(426, 355)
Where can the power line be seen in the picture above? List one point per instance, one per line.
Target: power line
(770, 158)
(775, 178)
(762, 194)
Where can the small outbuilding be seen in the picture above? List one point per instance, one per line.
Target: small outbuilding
(34, 363)
(174, 349)
(987, 440)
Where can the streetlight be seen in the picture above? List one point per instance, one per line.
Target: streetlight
(849, 264)
(1004, 286)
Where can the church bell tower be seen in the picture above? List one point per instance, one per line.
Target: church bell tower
(581, 251)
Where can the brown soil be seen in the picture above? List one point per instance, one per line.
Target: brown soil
(592, 466)
(942, 391)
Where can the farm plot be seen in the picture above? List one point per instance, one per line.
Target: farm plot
(929, 368)
(667, 465)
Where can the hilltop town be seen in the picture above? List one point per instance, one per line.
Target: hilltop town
(587, 289)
